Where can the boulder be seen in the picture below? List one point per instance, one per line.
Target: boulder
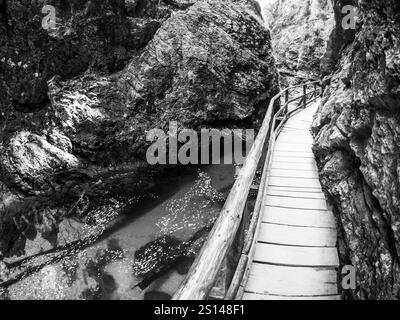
(78, 106)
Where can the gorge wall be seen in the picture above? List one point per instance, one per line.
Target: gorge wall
(76, 101)
(357, 131)
(300, 31)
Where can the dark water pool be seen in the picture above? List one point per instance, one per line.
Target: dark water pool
(105, 270)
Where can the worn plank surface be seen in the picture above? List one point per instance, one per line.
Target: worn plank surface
(295, 255)
(297, 236)
(299, 217)
(287, 173)
(257, 296)
(292, 281)
(296, 202)
(296, 182)
(294, 194)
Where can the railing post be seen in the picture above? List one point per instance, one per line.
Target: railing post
(219, 289)
(228, 268)
(305, 95)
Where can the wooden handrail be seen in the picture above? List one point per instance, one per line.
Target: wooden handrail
(203, 273)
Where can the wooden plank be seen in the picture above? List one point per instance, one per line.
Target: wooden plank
(297, 236)
(304, 133)
(295, 182)
(296, 126)
(288, 148)
(301, 118)
(285, 148)
(300, 134)
(285, 193)
(294, 154)
(287, 159)
(296, 203)
(300, 123)
(306, 136)
(257, 296)
(294, 173)
(297, 217)
(299, 128)
(296, 189)
(296, 256)
(294, 151)
(291, 281)
(294, 137)
(293, 144)
(303, 142)
(303, 130)
(294, 166)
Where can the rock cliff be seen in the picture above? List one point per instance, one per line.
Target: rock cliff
(357, 131)
(77, 100)
(300, 31)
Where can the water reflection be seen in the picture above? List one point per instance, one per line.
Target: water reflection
(146, 258)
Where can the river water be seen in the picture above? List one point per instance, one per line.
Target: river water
(108, 269)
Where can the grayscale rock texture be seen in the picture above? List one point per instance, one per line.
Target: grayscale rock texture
(300, 31)
(357, 131)
(76, 101)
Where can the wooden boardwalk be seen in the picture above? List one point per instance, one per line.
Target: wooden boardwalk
(289, 241)
(295, 255)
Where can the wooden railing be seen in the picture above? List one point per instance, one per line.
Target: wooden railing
(234, 230)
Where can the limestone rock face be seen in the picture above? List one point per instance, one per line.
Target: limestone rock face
(96, 35)
(357, 131)
(74, 120)
(300, 30)
(339, 37)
